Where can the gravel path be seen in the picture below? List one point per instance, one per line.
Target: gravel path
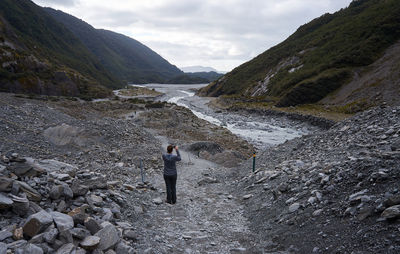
(205, 219)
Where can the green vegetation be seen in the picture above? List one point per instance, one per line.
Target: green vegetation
(328, 48)
(122, 56)
(47, 39)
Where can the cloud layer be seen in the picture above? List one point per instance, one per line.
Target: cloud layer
(220, 34)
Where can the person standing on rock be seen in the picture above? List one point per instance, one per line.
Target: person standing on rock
(170, 173)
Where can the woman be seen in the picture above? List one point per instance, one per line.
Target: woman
(170, 173)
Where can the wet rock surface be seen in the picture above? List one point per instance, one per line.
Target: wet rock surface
(336, 191)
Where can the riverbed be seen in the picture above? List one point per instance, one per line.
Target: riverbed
(261, 131)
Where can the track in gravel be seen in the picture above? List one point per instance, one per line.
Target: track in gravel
(205, 219)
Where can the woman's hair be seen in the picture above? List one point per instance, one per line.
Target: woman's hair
(170, 148)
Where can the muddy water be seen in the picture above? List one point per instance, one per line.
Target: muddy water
(261, 131)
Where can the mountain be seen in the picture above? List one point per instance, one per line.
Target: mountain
(198, 68)
(40, 55)
(348, 59)
(195, 78)
(122, 56)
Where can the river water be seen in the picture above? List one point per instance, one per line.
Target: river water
(261, 131)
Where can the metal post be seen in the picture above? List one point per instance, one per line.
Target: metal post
(141, 170)
(254, 162)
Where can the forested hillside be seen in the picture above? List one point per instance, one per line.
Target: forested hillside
(125, 57)
(319, 58)
(40, 55)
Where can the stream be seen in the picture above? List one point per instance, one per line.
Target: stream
(261, 131)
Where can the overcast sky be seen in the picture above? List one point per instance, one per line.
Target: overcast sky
(217, 33)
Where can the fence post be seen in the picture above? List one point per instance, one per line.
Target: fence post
(254, 162)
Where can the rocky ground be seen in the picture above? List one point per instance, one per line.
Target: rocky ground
(70, 182)
(70, 179)
(336, 191)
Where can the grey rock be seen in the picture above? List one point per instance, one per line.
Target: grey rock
(108, 216)
(39, 238)
(4, 234)
(248, 196)
(5, 184)
(90, 242)
(66, 249)
(80, 233)
(79, 189)
(80, 251)
(96, 183)
(207, 180)
(30, 192)
(30, 249)
(5, 202)
(294, 207)
(50, 235)
(66, 236)
(317, 212)
(20, 205)
(3, 248)
(56, 192)
(37, 223)
(92, 225)
(61, 206)
(55, 166)
(109, 237)
(17, 244)
(130, 235)
(63, 221)
(20, 169)
(122, 248)
(157, 201)
(94, 200)
(392, 200)
(392, 212)
(67, 191)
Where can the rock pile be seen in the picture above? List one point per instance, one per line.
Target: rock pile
(49, 206)
(333, 192)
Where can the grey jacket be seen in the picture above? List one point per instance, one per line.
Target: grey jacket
(170, 163)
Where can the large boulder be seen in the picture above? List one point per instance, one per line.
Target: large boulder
(37, 223)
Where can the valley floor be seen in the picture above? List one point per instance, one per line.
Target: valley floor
(335, 191)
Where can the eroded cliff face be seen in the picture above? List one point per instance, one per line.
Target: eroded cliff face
(376, 84)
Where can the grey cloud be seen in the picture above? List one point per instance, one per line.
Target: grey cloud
(67, 3)
(251, 27)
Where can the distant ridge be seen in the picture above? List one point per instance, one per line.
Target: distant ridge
(197, 68)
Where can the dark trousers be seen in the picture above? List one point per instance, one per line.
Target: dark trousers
(170, 183)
